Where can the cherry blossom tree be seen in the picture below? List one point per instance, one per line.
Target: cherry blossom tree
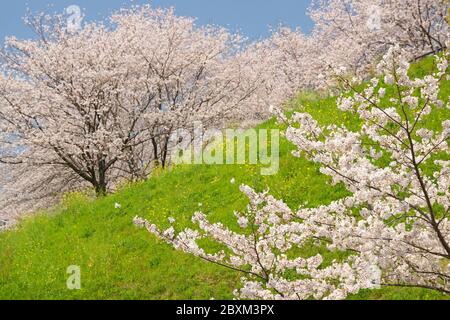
(351, 36)
(296, 58)
(357, 33)
(95, 106)
(393, 230)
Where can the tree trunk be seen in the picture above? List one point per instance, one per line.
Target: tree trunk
(101, 185)
(155, 151)
(100, 190)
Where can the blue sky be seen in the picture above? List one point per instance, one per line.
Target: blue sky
(252, 17)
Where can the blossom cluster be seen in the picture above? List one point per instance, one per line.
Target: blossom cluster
(95, 105)
(98, 106)
(393, 230)
(351, 36)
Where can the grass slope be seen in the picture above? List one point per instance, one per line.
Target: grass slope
(119, 261)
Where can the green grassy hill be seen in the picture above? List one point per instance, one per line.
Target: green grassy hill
(119, 261)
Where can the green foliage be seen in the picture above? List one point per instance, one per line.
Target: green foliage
(119, 261)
